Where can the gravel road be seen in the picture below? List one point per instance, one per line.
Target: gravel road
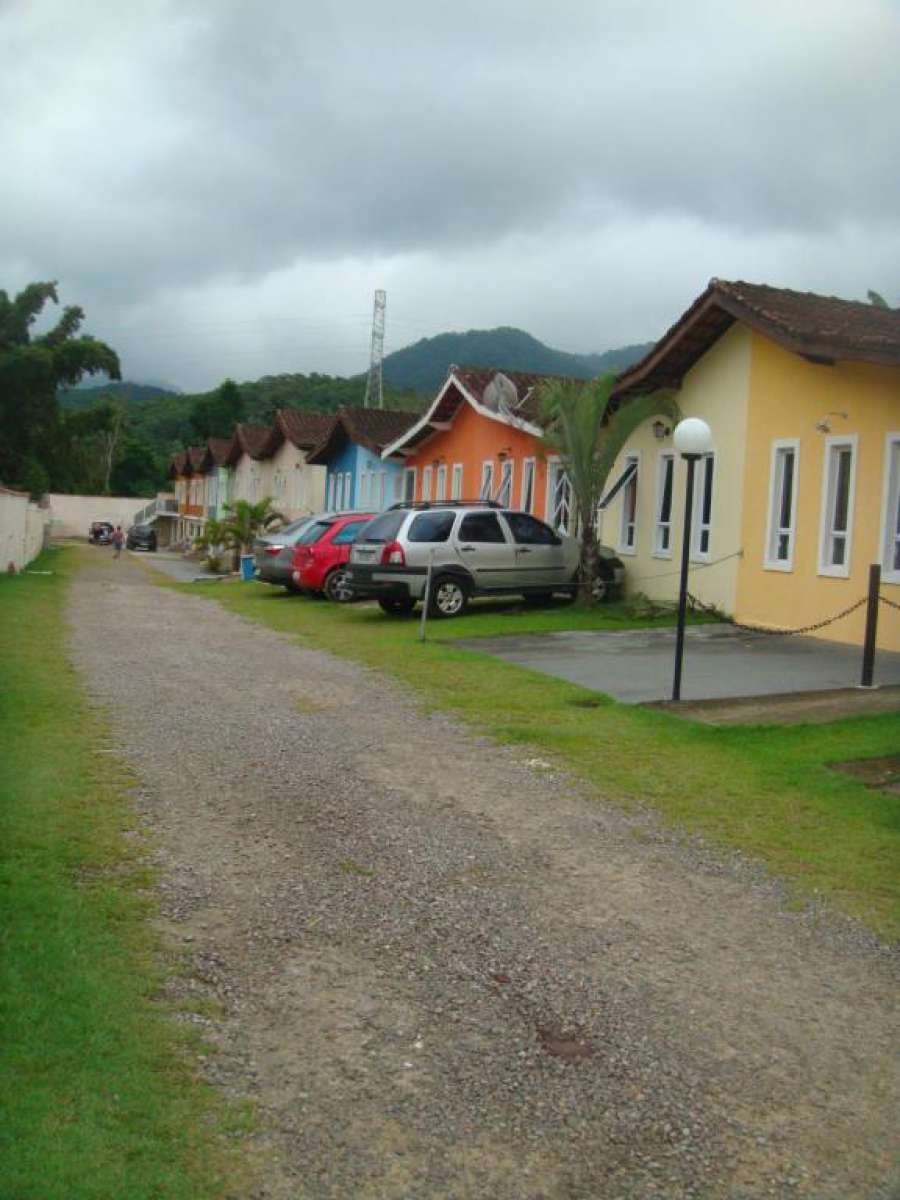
(446, 971)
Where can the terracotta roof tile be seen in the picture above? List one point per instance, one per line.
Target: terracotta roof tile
(219, 450)
(821, 328)
(305, 429)
(252, 439)
(373, 428)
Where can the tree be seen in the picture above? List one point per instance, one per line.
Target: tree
(245, 521)
(216, 414)
(588, 436)
(31, 371)
(215, 538)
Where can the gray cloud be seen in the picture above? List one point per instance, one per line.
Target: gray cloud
(214, 150)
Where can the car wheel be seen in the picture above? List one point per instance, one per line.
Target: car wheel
(337, 587)
(448, 598)
(397, 608)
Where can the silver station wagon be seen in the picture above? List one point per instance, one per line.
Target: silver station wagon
(477, 549)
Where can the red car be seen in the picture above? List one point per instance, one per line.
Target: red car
(322, 552)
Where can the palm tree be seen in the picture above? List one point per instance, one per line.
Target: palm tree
(245, 521)
(214, 538)
(580, 427)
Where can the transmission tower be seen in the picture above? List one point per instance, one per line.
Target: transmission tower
(374, 391)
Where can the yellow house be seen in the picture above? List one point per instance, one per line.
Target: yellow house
(802, 489)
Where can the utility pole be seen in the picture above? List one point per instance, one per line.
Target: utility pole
(374, 391)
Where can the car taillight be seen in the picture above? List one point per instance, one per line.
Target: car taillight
(392, 552)
(273, 550)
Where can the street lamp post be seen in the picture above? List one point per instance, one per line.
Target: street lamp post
(693, 439)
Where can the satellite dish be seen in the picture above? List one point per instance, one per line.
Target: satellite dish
(500, 395)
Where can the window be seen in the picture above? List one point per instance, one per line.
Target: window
(559, 497)
(456, 482)
(348, 490)
(628, 516)
(312, 534)
(365, 487)
(426, 483)
(890, 562)
(528, 531)
(440, 492)
(838, 483)
(384, 528)
(348, 533)
(481, 527)
(431, 527)
(409, 483)
(662, 538)
(504, 492)
(526, 500)
(487, 481)
(329, 504)
(702, 516)
(782, 506)
(379, 501)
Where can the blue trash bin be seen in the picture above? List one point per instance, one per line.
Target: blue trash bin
(248, 567)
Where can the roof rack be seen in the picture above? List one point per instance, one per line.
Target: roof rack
(420, 505)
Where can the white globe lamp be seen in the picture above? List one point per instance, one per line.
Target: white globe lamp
(692, 436)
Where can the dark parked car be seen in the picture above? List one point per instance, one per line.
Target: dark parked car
(141, 537)
(100, 533)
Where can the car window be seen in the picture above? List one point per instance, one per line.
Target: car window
(528, 531)
(431, 526)
(348, 533)
(481, 527)
(386, 527)
(315, 531)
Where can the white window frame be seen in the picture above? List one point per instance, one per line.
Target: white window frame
(456, 482)
(697, 526)
(427, 475)
(774, 531)
(506, 473)
(440, 487)
(837, 442)
(666, 457)
(890, 501)
(365, 487)
(409, 473)
(555, 468)
(526, 491)
(486, 491)
(624, 547)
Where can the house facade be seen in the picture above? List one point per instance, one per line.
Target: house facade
(356, 476)
(481, 438)
(296, 486)
(801, 491)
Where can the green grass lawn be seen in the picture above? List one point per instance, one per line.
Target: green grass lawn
(97, 1097)
(764, 790)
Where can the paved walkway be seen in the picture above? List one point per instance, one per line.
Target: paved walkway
(443, 972)
(719, 661)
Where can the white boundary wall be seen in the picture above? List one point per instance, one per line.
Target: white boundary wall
(71, 516)
(22, 526)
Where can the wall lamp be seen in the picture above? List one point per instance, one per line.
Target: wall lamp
(660, 430)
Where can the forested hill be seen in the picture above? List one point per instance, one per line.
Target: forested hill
(423, 366)
(158, 423)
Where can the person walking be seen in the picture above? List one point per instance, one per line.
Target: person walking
(118, 541)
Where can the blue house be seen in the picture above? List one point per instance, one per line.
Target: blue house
(356, 475)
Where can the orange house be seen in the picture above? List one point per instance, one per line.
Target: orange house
(481, 439)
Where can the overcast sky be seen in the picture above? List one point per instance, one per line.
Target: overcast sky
(222, 184)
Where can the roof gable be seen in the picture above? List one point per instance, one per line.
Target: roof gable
(823, 329)
(372, 428)
(473, 386)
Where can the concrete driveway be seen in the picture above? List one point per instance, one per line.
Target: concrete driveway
(719, 662)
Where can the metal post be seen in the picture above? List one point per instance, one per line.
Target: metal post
(868, 663)
(426, 597)
(691, 460)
